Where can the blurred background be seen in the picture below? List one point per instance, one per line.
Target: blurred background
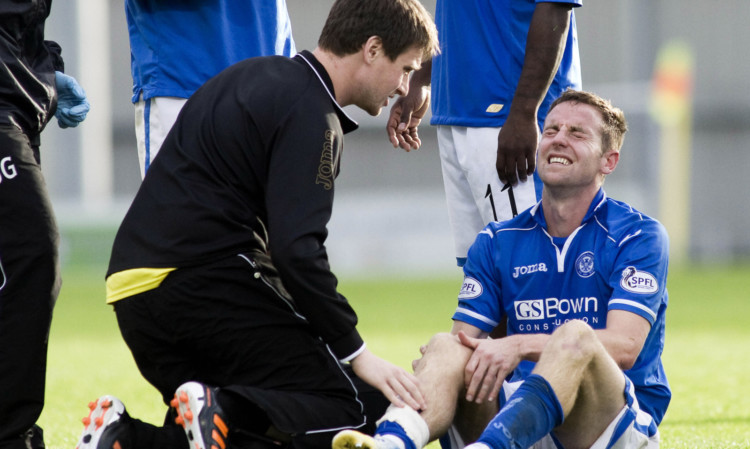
(678, 68)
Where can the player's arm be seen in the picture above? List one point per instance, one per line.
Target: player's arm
(407, 112)
(545, 45)
(624, 336)
(299, 203)
(638, 282)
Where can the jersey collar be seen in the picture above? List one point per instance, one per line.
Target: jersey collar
(347, 123)
(599, 200)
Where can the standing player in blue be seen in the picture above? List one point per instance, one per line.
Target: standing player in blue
(578, 282)
(501, 65)
(177, 45)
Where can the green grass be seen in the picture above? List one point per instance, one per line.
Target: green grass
(708, 336)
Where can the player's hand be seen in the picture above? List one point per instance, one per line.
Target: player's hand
(400, 387)
(406, 115)
(516, 149)
(489, 364)
(72, 106)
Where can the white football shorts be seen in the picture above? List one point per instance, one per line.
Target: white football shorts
(473, 190)
(153, 120)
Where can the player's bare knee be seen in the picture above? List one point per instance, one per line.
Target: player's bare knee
(442, 342)
(445, 353)
(574, 339)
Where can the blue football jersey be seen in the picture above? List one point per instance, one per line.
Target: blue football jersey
(177, 45)
(616, 260)
(483, 43)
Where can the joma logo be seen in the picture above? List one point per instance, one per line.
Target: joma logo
(326, 169)
(528, 269)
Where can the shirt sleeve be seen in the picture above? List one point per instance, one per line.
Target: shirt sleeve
(480, 299)
(639, 274)
(55, 54)
(299, 201)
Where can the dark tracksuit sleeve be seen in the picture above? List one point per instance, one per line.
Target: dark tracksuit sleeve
(55, 54)
(28, 64)
(299, 200)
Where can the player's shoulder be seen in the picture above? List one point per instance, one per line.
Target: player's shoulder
(521, 223)
(623, 221)
(282, 70)
(286, 85)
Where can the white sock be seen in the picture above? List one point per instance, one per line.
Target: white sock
(412, 423)
(391, 441)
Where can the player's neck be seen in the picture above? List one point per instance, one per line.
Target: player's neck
(340, 70)
(564, 210)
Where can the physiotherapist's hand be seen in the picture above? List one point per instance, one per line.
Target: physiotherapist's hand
(399, 386)
(72, 105)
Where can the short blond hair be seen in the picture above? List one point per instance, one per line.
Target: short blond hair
(615, 126)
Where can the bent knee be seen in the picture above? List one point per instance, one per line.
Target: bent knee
(446, 346)
(443, 340)
(444, 356)
(576, 327)
(576, 338)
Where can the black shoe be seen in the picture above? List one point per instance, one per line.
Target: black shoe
(201, 416)
(105, 426)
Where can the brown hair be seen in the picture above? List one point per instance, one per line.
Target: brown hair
(400, 24)
(615, 126)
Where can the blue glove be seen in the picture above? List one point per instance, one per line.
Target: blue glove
(72, 106)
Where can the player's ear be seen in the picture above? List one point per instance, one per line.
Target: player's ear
(373, 47)
(609, 161)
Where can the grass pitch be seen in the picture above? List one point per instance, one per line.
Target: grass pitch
(707, 339)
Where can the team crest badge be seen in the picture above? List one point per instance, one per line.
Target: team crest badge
(585, 264)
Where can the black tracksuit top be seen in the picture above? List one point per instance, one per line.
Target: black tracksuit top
(27, 65)
(250, 164)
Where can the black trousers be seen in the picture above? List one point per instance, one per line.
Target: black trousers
(29, 285)
(221, 325)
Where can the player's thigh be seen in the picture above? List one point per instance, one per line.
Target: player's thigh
(469, 154)
(632, 428)
(466, 219)
(29, 270)
(221, 325)
(586, 380)
(475, 156)
(154, 119)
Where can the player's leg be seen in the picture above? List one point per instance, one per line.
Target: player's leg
(575, 380)
(29, 285)
(441, 377)
(153, 120)
(587, 381)
(230, 326)
(465, 219)
(603, 410)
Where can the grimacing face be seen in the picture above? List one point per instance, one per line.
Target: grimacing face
(570, 151)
